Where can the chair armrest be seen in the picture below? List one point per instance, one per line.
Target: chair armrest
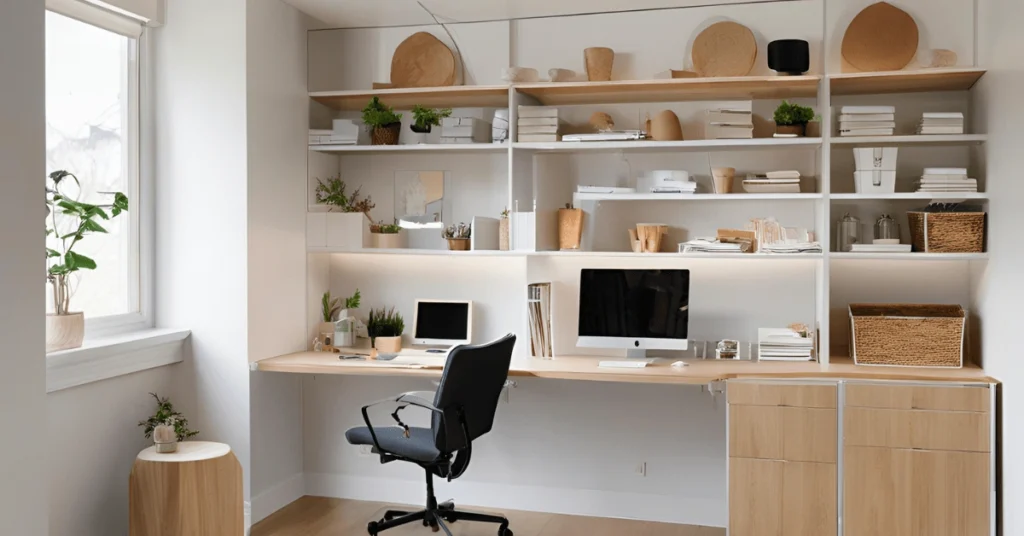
(405, 399)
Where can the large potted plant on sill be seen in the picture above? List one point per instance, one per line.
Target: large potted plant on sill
(69, 221)
(792, 119)
(384, 124)
(385, 329)
(424, 119)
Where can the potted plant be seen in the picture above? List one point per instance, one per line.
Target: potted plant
(457, 236)
(331, 310)
(69, 222)
(167, 426)
(346, 228)
(387, 235)
(385, 329)
(384, 124)
(504, 243)
(792, 118)
(424, 118)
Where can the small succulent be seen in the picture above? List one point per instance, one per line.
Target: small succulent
(793, 114)
(385, 228)
(460, 231)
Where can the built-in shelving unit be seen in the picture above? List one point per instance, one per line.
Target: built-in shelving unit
(570, 253)
(913, 195)
(413, 148)
(696, 198)
(913, 140)
(904, 81)
(661, 146)
(674, 90)
(405, 99)
(910, 256)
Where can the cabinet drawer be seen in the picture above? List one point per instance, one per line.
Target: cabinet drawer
(781, 394)
(916, 429)
(942, 398)
(783, 433)
(777, 498)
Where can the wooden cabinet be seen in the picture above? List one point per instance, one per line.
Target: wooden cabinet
(781, 498)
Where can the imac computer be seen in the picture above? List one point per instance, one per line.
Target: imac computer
(442, 323)
(638, 310)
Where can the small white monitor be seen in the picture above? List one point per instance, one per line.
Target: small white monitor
(442, 322)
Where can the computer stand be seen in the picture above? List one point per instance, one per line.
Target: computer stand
(636, 353)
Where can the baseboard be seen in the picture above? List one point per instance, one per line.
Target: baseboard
(278, 496)
(668, 509)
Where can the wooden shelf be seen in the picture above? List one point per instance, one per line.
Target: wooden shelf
(730, 256)
(673, 146)
(413, 148)
(912, 196)
(405, 99)
(923, 140)
(911, 256)
(686, 89)
(691, 197)
(904, 81)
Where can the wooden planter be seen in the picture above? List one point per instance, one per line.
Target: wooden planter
(386, 135)
(458, 244)
(64, 332)
(388, 345)
(389, 240)
(799, 130)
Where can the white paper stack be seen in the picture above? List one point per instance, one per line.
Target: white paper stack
(941, 123)
(539, 124)
(329, 137)
(465, 130)
(867, 121)
(947, 180)
(729, 124)
(539, 303)
(773, 182)
(790, 247)
(783, 344)
(710, 245)
(881, 248)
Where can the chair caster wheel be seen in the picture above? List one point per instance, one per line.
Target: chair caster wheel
(371, 528)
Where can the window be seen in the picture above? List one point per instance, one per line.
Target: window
(92, 131)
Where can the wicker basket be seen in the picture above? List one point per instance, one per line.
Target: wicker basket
(907, 335)
(386, 135)
(947, 232)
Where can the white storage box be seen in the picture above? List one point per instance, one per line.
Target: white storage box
(875, 158)
(874, 182)
(470, 129)
(340, 230)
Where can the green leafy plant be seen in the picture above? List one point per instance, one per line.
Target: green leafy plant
(385, 228)
(383, 323)
(424, 118)
(70, 222)
(460, 231)
(377, 114)
(329, 307)
(793, 114)
(333, 194)
(167, 415)
(504, 214)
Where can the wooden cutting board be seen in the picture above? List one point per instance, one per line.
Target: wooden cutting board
(422, 60)
(882, 37)
(724, 49)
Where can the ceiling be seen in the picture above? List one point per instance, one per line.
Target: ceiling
(380, 13)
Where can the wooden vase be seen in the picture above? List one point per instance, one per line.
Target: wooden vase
(504, 243)
(599, 63)
(665, 127)
(570, 228)
(64, 332)
(388, 345)
(458, 244)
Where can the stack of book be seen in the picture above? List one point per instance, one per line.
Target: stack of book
(947, 180)
(729, 124)
(539, 124)
(867, 121)
(774, 344)
(539, 303)
(773, 182)
(713, 245)
(941, 123)
(329, 137)
(465, 130)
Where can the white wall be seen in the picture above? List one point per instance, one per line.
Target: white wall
(23, 467)
(202, 207)
(92, 443)
(277, 102)
(999, 112)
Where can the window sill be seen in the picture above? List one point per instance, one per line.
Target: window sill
(109, 357)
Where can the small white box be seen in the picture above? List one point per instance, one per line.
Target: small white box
(469, 127)
(874, 182)
(348, 230)
(344, 129)
(875, 158)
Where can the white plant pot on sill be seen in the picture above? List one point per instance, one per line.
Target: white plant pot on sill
(64, 332)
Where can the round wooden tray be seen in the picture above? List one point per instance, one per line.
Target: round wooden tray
(724, 49)
(882, 37)
(422, 60)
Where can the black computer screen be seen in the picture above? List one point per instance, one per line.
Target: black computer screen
(634, 303)
(441, 320)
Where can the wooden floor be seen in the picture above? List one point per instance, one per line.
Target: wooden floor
(320, 516)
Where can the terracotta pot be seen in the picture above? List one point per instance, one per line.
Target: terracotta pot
(799, 130)
(64, 332)
(599, 63)
(386, 135)
(503, 234)
(389, 240)
(570, 228)
(388, 345)
(458, 244)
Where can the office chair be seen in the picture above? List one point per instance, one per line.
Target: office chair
(463, 410)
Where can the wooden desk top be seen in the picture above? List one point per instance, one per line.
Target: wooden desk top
(585, 368)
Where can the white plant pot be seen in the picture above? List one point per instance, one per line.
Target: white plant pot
(390, 240)
(64, 332)
(388, 345)
(416, 137)
(165, 439)
(326, 333)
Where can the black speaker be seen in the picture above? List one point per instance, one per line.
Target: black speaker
(789, 56)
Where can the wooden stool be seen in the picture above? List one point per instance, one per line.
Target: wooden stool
(196, 491)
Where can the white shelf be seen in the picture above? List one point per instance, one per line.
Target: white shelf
(924, 140)
(685, 145)
(691, 197)
(911, 256)
(410, 251)
(413, 148)
(913, 195)
(495, 253)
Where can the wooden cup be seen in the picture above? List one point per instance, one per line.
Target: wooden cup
(570, 228)
(599, 63)
(650, 235)
(723, 177)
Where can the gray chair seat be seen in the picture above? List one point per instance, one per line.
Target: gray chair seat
(418, 446)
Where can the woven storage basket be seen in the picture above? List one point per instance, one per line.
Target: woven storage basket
(907, 335)
(386, 135)
(947, 232)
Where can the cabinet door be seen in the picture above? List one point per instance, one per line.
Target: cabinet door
(783, 433)
(755, 497)
(904, 492)
(809, 499)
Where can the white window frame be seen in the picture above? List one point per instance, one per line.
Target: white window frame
(140, 185)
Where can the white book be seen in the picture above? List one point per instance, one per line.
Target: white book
(941, 130)
(942, 115)
(868, 117)
(537, 121)
(868, 109)
(539, 138)
(549, 129)
(789, 174)
(723, 132)
(730, 117)
(459, 140)
(867, 132)
(944, 171)
(538, 111)
(866, 124)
